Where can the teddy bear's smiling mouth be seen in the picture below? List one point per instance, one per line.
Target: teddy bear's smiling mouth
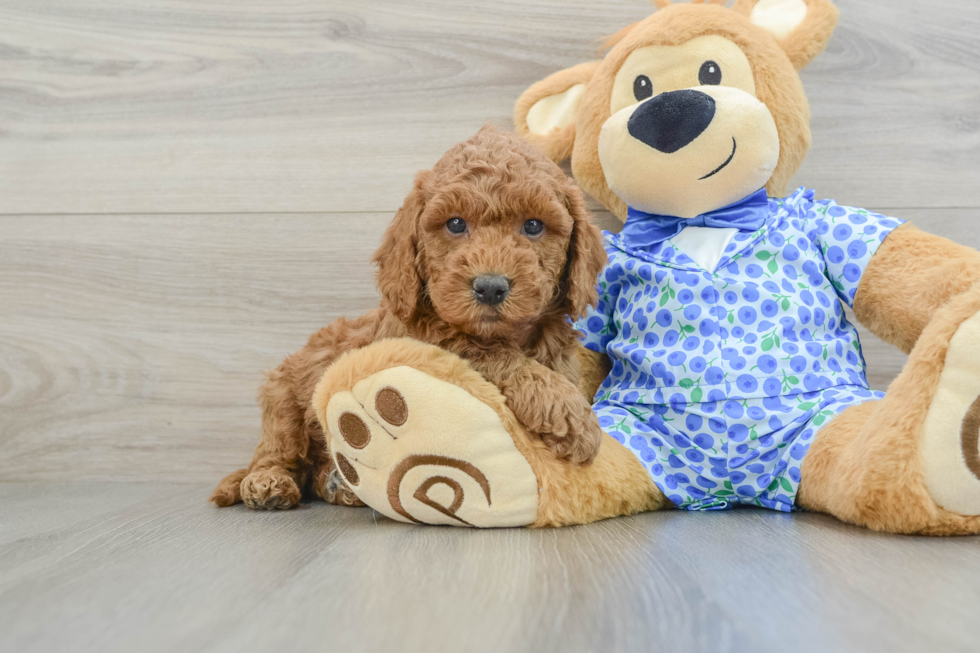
(727, 161)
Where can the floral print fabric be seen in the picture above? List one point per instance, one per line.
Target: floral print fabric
(721, 378)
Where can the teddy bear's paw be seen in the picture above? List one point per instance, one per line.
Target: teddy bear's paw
(422, 450)
(949, 445)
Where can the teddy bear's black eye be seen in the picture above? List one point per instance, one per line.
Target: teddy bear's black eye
(456, 225)
(642, 88)
(710, 74)
(533, 227)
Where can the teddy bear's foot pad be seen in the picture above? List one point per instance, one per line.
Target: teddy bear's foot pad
(422, 450)
(951, 432)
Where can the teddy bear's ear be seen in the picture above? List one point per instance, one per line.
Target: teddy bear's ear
(802, 27)
(545, 113)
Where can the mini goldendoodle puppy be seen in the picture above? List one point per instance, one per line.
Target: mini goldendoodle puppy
(488, 257)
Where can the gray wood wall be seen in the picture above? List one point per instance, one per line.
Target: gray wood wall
(188, 189)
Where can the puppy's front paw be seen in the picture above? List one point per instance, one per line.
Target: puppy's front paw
(269, 489)
(560, 416)
(575, 433)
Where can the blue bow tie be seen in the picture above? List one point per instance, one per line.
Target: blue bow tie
(644, 230)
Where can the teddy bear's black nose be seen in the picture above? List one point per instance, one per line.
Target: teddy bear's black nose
(491, 289)
(669, 121)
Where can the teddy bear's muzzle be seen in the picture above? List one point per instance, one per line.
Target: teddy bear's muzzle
(669, 121)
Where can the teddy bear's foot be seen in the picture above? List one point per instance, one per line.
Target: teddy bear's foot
(421, 450)
(951, 431)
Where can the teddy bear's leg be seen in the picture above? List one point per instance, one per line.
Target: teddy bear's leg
(908, 463)
(421, 437)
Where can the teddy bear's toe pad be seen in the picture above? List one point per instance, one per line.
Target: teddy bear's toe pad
(422, 450)
(951, 466)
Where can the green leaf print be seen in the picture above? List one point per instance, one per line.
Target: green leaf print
(664, 298)
(807, 405)
(786, 484)
(686, 383)
(773, 485)
(687, 328)
(723, 493)
(766, 344)
(785, 304)
(773, 266)
(763, 256)
(731, 318)
(696, 395)
(728, 485)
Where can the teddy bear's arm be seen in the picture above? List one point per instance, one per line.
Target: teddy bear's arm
(595, 368)
(912, 274)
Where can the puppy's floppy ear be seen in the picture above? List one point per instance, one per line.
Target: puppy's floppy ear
(545, 113)
(801, 27)
(401, 264)
(586, 256)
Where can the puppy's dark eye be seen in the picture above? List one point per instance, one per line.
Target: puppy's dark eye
(533, 228)
(456, 225)
(642, 88)
(710, 74)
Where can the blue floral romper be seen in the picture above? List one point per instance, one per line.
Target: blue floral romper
(721, 379)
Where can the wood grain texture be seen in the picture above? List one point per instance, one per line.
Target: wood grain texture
(181, 106)
(189, 188)
(133, 346)
(150, 567)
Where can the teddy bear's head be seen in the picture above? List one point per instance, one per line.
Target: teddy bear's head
(690, 110)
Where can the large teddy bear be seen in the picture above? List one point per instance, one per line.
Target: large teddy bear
(720, 348)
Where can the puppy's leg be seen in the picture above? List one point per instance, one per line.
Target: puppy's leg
(291, 458)
(549, 404)
(329, 484)
(269, 488)
(280, 466)
(229, 492)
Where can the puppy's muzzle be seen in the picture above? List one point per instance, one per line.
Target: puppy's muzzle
(669, 121)
(491, 289)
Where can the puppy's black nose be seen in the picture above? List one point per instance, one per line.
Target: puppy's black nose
(491, 289)
(669, 121)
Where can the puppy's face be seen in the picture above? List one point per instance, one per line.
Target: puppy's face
(495, 255)
(492, 239)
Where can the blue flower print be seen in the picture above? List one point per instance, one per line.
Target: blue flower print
(734, 369)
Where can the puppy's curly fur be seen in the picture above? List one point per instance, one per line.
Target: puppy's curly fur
(495, 182)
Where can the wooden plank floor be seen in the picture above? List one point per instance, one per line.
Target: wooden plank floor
(189, 188)
(150, 567)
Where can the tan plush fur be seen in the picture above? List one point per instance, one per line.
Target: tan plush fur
(912, 274)
(595, 367)
(865, 466)
(558, 144)
(809, 39)
(524, 345)
(777, 84)
(614, 484)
